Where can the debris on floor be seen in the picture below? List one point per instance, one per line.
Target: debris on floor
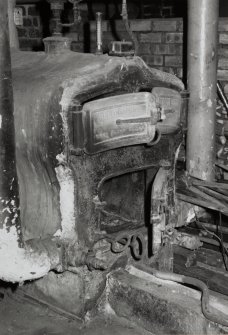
(20, 317)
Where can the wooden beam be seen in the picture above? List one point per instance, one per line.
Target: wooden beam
(205, 265)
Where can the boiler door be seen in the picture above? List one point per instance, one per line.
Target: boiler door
(118, 121)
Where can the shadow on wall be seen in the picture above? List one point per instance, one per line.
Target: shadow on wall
(223, 8)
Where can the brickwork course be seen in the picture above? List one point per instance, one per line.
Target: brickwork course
(30, 34)
(162, 44)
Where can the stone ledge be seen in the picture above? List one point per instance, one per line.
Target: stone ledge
(158, 307)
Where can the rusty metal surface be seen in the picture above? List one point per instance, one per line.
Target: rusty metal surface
(90, 170)
(47, 89)
(159, 207)
(170, 102)
(119, 121)
(18, 261)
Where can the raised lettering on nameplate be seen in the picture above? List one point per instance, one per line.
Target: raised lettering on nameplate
(118, 121)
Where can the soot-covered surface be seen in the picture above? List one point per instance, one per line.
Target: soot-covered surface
(20, 317)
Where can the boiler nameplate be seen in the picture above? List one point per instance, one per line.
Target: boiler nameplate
(118, 121)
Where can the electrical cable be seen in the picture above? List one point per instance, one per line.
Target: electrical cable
(216, 236)
(224, 249)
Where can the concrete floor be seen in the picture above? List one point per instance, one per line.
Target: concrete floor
(23, 317)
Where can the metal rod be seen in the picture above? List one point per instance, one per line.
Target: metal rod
(99, 50)
(202, 81)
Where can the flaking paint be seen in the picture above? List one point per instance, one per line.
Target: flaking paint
(66, 182)
(18, 264)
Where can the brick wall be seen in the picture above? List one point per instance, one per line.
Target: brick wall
(30, 33)
(161, 42)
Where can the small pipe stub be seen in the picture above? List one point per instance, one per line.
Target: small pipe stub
(55, 45)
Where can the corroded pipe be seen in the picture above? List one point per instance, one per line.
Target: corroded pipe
(202, 79)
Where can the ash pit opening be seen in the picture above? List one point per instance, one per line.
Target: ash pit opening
(127, 199)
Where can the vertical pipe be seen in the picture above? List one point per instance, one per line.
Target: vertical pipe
(202, 78)
(99, 49)
(9, 199)
(57, 7)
